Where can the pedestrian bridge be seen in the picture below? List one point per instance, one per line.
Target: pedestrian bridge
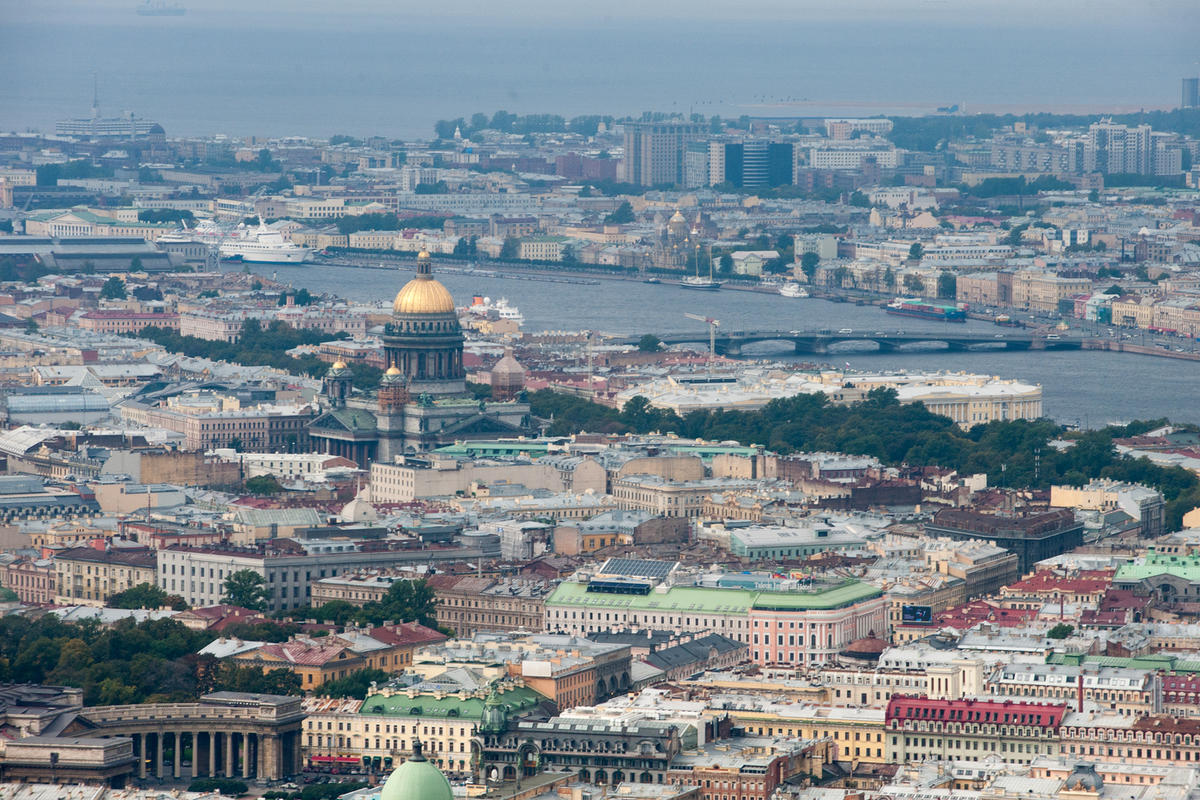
(730, 342)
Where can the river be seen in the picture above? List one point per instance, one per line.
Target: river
(1089, 388)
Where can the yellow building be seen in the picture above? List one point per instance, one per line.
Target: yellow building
(90, 576)
(857, 732)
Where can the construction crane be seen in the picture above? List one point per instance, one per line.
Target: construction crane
(713, 324)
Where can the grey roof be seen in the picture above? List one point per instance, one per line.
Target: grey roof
(693, 653)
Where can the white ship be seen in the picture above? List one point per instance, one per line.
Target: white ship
(792, 289)
(264, 245)
(500, 309)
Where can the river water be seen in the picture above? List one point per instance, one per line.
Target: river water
(1089, 388)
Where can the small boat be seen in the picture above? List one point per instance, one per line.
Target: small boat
(792, 289)
(696, 282)
(652, 280)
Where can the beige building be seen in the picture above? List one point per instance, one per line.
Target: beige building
(211, 422)
(420, 478)
(90, 576)
(1041, 291)
(371, 240)
(978, 289)
(213, 327)
(469, 605)
(542, 248)
(668, 498)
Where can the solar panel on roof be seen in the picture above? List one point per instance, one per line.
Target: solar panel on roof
(637, 567)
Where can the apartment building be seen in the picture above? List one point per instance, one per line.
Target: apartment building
(468, 605)
(924, 729)
(91, 575)
(124, 322)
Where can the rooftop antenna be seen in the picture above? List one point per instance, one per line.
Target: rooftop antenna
(95, 95)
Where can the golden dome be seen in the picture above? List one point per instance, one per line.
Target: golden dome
(423, 295)
(339, 365)
(392, 370)
(677, 217)
(423, 254)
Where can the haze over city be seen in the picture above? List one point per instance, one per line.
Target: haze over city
(616, 401)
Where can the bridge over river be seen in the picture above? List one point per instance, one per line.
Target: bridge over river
(730, 342)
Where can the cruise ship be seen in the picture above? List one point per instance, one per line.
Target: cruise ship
(264, 245)
(500, 309)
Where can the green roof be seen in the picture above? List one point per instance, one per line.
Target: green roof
(846, 594)
(515, 701)
(1186, 567)
(1155, 663)
(495, 448)
(707, 451)
(416, 778)
(713, 600)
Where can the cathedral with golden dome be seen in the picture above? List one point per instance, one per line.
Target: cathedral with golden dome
(423, 401)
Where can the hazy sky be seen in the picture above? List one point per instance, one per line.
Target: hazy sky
(299, 66)
(1180, 15)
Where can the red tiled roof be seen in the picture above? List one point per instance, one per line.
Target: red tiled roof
(303, 653)
(1047, 580)
(1168, 724)
(970, 614)
(1000, 712)
(407, 634)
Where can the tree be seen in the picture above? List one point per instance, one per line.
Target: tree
(251, 331)
(226, 786)
(889, 279)
(1060, 631)
(649, 343)
(355, 685)
(726, 264)
(263, 484)
(808, 264)
(915, 251)
(144, 595)
(914, 284)
(622, 216)
(859, 200)
(113, 289)
(511, 247)
(947, 286)
(405, 601)
(246, 588)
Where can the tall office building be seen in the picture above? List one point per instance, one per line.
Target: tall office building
(654, 151)
(1191, 93)
(758, 164)
(1117, 149)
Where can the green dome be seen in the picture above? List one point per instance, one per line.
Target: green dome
(417, 779)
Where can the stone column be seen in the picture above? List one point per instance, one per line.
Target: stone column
(260, 757)
(212, 753)
(158, 761)
(178, 755)
(245, 755)
(227, 751)
(140, 745)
